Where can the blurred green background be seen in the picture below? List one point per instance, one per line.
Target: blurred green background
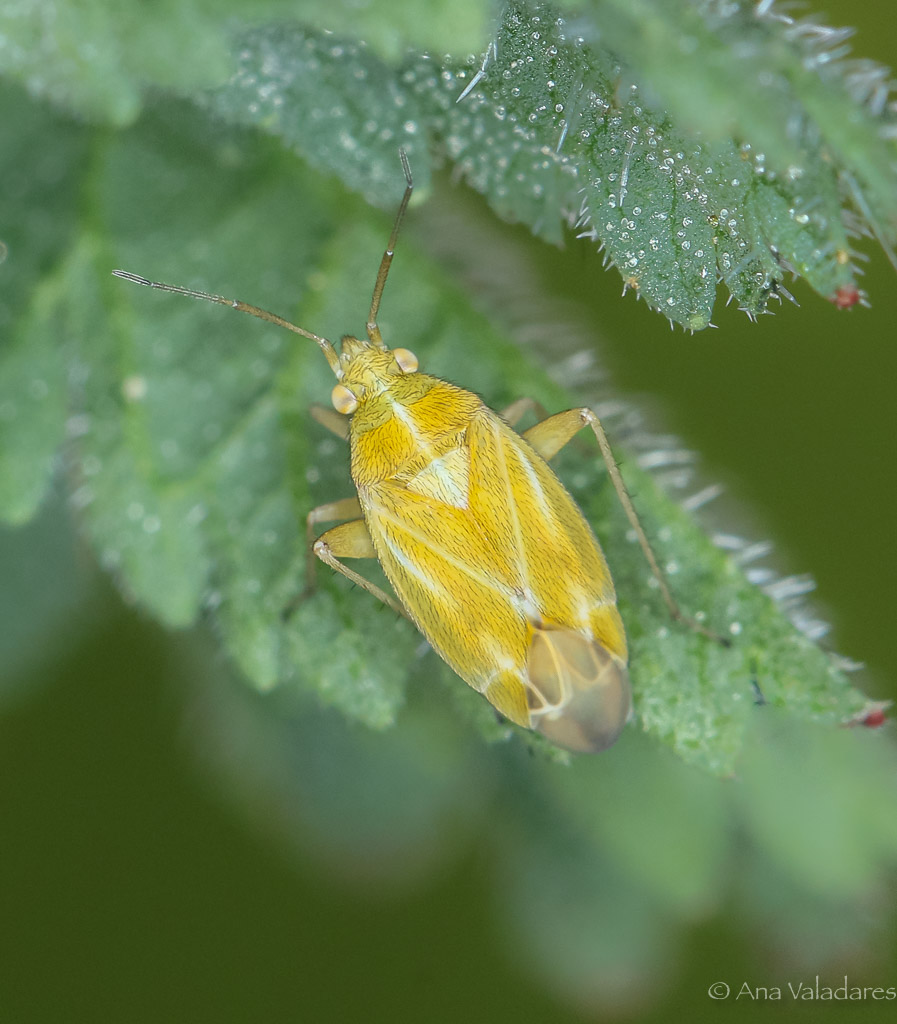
(139, 882)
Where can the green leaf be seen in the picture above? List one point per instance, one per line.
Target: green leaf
(40, 165)
(821, 804)
(579, 923)
(98, 59)
(95, 58)
(442, 26)
(196, 458)
(341, 793)
(648, 799)
(556, 130)
(291, 81)
(807, 101)
(191, 461)
(696, 143)
(47, 604)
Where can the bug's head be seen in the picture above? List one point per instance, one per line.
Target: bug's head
(367, 370)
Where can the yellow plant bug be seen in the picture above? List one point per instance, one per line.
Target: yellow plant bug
(487, 552)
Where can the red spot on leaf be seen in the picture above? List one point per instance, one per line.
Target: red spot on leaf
(874, 717)
(846, 296)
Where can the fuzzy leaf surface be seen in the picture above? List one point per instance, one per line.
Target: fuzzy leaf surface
(196, 459)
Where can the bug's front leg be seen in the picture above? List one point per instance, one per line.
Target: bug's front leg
(334, 421)
(550, 435)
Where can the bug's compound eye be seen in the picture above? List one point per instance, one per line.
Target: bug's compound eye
(406, 359)
(343, 400)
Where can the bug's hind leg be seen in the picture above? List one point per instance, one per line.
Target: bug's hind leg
(550, 435)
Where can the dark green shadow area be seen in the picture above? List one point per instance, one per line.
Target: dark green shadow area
(129, 894)
(130, 891)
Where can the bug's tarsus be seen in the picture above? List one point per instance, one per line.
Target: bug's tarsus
(385, 263)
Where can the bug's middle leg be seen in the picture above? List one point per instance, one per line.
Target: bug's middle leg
(550, 435)
(334, 511)
(352, 540)
(348, 540)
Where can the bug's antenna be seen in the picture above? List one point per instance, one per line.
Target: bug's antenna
(244, 307)
(385, 263)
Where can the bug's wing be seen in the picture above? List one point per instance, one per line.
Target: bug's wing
(577, 691)
(453, 582)
(553, 549)
(482, 545)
